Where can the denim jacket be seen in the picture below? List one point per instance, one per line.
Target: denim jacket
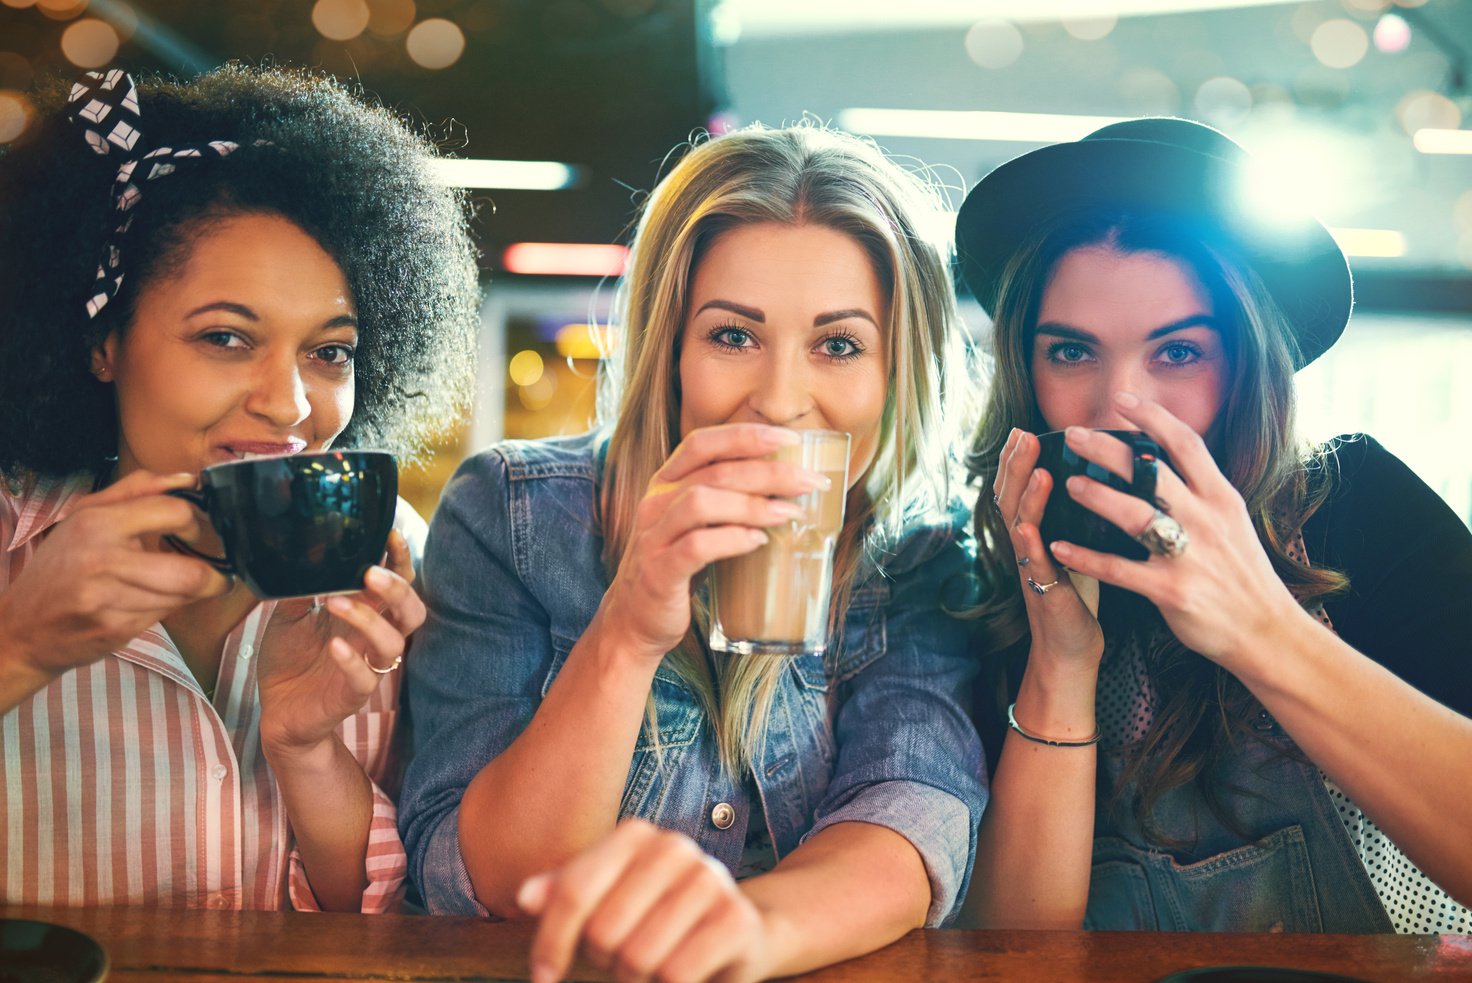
(876, 731)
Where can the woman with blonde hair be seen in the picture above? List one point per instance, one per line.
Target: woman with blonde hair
(778, 282)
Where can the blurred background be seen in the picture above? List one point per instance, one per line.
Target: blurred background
(563, 113)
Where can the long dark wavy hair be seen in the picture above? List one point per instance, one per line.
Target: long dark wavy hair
(353, 175)
(1201, 709)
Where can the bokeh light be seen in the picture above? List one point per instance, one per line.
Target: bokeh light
(1090, 28)
(1424, 109)
(340, 20)
(1223, 101)
(993, 43)
(539, 394)
(1410, 3)
(1149, 92)
(124, 20)
(61, 9)
(1339, 43)
(1306, 19)
(19, 4)
(525, 367)
(89, 43)
(435, 43)
(1392, 34)
(1462, 213)
(390, 18)
(1365, 8)
(15, 113)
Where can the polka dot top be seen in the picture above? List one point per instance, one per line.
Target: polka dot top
(1125, 705)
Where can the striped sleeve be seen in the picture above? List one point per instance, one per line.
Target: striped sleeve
(386, 865)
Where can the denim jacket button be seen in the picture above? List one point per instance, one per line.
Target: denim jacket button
(722, 816)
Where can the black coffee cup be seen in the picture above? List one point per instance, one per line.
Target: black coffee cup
(300, 525)
(1065, 519)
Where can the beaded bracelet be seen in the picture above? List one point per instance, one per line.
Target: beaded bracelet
(1012, 722)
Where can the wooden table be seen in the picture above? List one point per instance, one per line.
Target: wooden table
(241, 947)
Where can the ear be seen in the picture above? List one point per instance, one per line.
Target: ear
(104, 357)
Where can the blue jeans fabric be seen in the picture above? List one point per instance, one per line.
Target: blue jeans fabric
(1291, 868)
(874, 731)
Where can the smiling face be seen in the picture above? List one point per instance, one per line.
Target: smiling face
(784, 328)
(1113, 321)
(245, 349)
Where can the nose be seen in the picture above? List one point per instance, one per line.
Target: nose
(278, 393)
(782, 395)
(1126, 377)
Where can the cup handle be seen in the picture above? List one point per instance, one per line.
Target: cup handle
(1146, 471)
(198, 500)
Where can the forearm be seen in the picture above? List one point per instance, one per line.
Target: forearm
(329, 804)
(1398, 754)
(850, 889)
(556, 789)
(1034, 847)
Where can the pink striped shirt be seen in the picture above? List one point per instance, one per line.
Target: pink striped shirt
(123, 784)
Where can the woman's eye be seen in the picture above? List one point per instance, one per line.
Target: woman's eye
(1067, 352)
(841, 347)
(335, 354)
(1180, 353)
(731, 337)
(223, 339)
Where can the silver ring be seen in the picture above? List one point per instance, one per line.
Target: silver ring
(316, 604)
(1163, 536)
(384, 672)
(1040, 589)
(1024, 560)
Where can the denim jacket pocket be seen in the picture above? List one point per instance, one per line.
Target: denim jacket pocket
(864, 637)
(1264, 886)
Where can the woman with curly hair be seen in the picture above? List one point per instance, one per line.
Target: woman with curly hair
(1262, 723)
(253, 262)
(779, 812)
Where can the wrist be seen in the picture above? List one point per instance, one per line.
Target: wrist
(1058, 702)
(300, 758)
(617, 653)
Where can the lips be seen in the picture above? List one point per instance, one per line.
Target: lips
(246, 449)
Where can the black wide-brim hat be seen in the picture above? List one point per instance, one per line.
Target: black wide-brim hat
(1168, 166)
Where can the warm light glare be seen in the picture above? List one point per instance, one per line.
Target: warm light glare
(1431, 141)
(390, 18)
(89, 43)
(1424, 109)
(539, 394)
(61, 9)
(19, 4)
(1091, 28)
(435, 43)
(340, 20)
(583, 341)
(972, 125)
(1383, 243)
(993, 43)
(525, 367)
(15, 113)
(565, 259)
(506, 175)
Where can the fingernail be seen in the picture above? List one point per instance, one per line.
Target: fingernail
(783, 436)
(1076, 484)
(758, 537)
(377, 578)
(816, 481)
(1127, 400)
(1061, 550)
(1033, 479)
(533, 893)
(1077, 434)
(783, 509)
(542, 973)
(339, 605)
(1011, 436)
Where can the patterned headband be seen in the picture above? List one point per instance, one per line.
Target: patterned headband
(106, 106)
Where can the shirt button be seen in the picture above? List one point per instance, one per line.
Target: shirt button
(219, 771)
(722, 816)
(247, 650)
(218, 902)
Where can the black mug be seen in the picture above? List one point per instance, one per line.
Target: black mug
(299, 525)
(1065, 519)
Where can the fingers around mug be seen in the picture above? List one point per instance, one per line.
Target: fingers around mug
(362, 680)
(1118, 457)
(731, 441)
(168, 575)
(576, 892)
(670, 921)
(1187, 451)
(1139, 576)
(397, 556)
(138, 484)
(393, 597)
(385, 643)
(666, 862)
(1002, 456)
(699, 506)
(1129, 513)
(1017, 472)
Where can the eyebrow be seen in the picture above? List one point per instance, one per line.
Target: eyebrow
(1078, 334)
(753, 314)
(230, 307)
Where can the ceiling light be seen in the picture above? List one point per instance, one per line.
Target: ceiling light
(965, 125)
(1434, 141)
(565, 258)
(506, 175)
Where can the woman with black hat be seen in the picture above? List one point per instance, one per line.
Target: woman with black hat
(1261, 726)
